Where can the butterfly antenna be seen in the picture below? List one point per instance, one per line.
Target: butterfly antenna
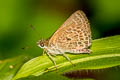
(34, 29)
(38, 35)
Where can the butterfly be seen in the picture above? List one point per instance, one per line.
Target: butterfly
(74, 36)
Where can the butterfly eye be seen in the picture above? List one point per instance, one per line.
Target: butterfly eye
(42, 45)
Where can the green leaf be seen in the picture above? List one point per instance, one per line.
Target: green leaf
(105, 54)
(9, 67)
(45, 77)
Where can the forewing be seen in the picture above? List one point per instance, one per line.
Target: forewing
(75, 33)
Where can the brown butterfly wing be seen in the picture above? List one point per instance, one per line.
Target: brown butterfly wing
(75, 33)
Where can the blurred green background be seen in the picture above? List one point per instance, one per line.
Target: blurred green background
(46, 16)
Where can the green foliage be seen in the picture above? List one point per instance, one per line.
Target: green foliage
(15, 17)
(105, 54)
(9, 67)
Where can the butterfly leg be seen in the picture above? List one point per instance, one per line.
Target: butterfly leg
(43, 52)
(68, 58)
(50, 57)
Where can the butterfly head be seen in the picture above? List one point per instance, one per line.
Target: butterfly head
(42, 43)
